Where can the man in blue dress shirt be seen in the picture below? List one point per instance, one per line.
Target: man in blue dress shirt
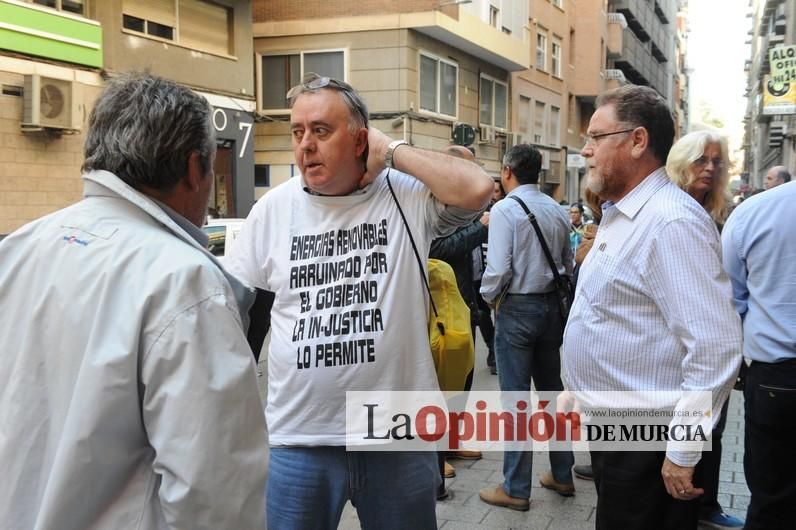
(760, 258)
(528, 322)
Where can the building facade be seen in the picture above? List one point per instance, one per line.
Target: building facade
(425, 69)
(41, 148)
(483, 73)
(614, 42)
(680, 95)
(54, 58)
(770, 132)
(539, 93)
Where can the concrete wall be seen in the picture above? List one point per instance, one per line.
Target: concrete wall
(39, 172)
(383, 65)
(276, 10)
(232, 75)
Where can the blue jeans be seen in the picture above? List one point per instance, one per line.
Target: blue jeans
(529, 330)
(309, 486)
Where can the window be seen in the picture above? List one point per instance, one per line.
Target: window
(439, 80)
(524, 116)
(262, 175)
(555, 115)
(493, 16)
(559, 3)
(538, 123)
(493, 103)
(556, 57)
(195, 24)
(205, 26)
(69, 6)
(279, 73)
(541, 51)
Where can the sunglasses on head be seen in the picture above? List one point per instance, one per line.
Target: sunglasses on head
(314, 82)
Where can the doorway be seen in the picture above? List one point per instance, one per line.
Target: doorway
(222, 196)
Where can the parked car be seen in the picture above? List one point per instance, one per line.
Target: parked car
(222, 234)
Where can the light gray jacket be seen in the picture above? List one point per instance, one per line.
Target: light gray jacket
(128, 393)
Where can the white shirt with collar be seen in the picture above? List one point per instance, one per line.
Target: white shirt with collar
(653, 308)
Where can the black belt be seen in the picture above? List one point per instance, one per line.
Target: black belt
(786, 361)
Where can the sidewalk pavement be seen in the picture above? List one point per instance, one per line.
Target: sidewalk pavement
(463, 510)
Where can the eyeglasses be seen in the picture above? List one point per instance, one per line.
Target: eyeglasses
(703, 161)
(591, 139)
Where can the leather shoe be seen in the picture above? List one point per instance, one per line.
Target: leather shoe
(450, 471)
(565, 490)
(497, 496)
(584, 472)
(466, 455)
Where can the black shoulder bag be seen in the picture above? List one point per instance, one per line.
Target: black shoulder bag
(563, 284)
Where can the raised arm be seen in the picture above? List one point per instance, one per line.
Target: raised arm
(453, 181)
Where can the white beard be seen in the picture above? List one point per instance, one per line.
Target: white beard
(595, 184)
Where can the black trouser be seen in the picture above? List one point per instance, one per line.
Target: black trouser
(710, 464)
(631, 494)
(484, 323)
(769, 459)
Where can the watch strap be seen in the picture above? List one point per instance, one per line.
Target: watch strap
(388, 156)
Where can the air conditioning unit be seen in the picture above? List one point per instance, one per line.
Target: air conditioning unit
(51, 104)
(487, 134)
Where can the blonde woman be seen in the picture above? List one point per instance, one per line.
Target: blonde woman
(698, 163)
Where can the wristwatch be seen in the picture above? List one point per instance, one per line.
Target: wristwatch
(391, 151)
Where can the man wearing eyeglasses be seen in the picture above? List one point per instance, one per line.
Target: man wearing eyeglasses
(653, 309)
(350, 308)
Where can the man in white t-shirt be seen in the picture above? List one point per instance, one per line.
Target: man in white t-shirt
(349, 307)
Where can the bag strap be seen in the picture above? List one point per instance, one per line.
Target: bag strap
(532, 219)
(414, 246)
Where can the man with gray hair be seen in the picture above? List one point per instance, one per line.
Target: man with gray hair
(127, 389)
(652, 312)
(776, 176)
(362, 198)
